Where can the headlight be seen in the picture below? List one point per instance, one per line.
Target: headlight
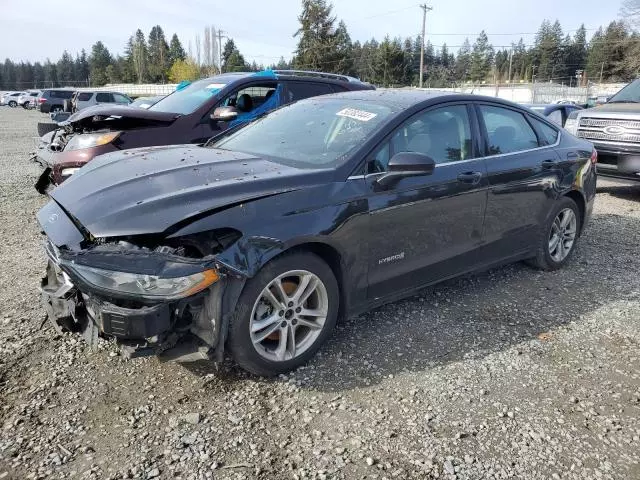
(149, 286)
(571, 126)
(67, 172)
(89, 140)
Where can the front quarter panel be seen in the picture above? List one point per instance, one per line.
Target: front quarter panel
(334, 215)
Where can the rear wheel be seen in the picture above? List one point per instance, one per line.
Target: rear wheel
(284, 314)
(559, 236)
(56, 108)
(26, 106)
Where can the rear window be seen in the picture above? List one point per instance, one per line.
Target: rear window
(84, 96)
(61, 94)
(300, 90)
(549, 134)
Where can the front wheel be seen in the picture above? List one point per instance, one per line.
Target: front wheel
(13, 104)
(284, 314)
(559, 236)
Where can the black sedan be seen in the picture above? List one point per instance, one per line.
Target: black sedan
(329, 207)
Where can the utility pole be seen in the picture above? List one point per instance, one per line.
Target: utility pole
(601, 71)
(510, 63)
(424, 22)
(220, 32)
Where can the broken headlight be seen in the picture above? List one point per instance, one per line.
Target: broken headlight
(88, 140)
(148, 286)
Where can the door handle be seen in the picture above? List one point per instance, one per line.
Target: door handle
(572, 156)
(470, 177)
(547, 164)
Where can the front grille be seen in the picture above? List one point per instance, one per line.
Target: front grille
(606, 122)
(598, 129)
(594, 135)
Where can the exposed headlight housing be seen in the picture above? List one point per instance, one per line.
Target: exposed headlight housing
(150, 287)
(88, 140)
(67, 172)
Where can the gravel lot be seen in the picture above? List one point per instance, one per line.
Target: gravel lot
(513, 373)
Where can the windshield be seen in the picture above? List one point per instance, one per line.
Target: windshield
(191, 97)
(310, 133)
(630, 94)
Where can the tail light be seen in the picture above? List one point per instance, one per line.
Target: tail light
(42, 100)
(594, 157)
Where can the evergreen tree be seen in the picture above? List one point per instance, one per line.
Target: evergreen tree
(139, 56)
(158, 51)
(176, 52)
(316, 35)
(65, 69)
(229, 48)
(98, 63)
(481, 58)
(50, 74)
(463, 61)
(343, 61)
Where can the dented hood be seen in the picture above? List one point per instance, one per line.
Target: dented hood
(118, 116)
(148, 190)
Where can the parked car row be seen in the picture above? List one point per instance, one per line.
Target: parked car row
(302, 198)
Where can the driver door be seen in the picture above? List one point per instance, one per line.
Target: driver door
(425, 228)
(250, 100)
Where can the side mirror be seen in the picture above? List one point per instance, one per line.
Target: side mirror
(224, 114)
(406, 164)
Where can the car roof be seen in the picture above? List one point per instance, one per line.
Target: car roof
(301, 75)
(405, 98)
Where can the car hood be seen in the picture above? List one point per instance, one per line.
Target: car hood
(149, 190)
(612, 109)
(117, 117)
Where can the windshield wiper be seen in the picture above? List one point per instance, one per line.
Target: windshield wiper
(623, 101)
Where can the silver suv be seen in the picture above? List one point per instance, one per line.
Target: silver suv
(84, 99)
(614, 129)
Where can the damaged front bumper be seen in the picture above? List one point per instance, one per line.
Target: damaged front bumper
(186, 329)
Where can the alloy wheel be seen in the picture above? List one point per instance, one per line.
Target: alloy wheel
(563, 234)
(289, 315)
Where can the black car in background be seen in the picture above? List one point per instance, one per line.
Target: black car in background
(324, 208)
(52, 99)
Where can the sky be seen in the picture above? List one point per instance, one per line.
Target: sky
(33, 30)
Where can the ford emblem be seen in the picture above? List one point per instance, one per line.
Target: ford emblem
(614, 130)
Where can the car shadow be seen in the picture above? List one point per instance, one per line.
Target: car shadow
(623, 191)
(469, 317)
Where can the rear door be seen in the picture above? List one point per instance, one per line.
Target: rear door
(427, 227)
(523, 169)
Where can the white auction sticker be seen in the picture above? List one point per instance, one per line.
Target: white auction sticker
(356, 114)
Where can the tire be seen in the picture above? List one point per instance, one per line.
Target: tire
(26, 106)
(260, 358)
(56, 108)
(13, 104)
(67, 106)
(546, 258)
(46, 127)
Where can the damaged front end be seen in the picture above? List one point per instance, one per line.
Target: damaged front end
(168, 300)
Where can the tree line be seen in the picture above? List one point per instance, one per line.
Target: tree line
(324, 44)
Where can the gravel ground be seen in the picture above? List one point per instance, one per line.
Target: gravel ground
(513, 373)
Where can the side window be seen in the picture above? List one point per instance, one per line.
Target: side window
(84, 96)
(507, 130)
(556, 117)
(121, 99)
(255, 98)
(103, 97)
(549, 134)
(299, 90)
(443, 133)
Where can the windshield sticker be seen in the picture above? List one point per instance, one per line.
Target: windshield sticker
(215, 86)
(356, 114)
